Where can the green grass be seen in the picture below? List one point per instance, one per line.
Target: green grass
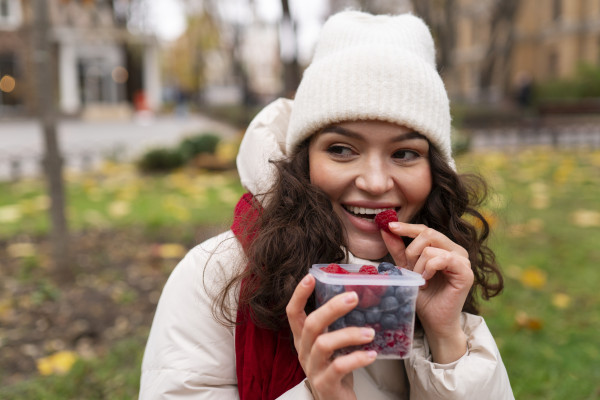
(114, 376)
(118, 196)
(551, 349)
(545, 209)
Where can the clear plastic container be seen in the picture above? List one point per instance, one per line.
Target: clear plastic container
(385, 302)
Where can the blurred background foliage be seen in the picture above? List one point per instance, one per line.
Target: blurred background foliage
(514, 70)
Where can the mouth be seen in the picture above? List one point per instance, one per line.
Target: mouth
(367, 213)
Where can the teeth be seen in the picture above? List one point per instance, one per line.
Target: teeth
(363, 210)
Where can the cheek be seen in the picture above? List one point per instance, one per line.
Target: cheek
(324, 175)
(418, 188)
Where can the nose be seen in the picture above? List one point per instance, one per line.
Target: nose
(374, 178)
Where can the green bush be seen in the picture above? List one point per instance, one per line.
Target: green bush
(161, 160)
(198, 144)
(585, 84)
(461, 143)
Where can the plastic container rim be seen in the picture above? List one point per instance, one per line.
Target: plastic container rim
(408, 277)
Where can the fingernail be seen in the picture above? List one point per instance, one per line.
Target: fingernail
(371, 354)
(369, 333)
(350, 297)
(306, 280)
(394, 225)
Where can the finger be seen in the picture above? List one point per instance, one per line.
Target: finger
(295, 308)
(424, 237)
(426, 255)
(396, 248)
(327, 343)
(342, 366)
(457, 269)
(316, 323)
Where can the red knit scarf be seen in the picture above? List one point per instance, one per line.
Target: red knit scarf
(266, 364)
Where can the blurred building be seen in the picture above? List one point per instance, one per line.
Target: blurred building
(544, 40)
(101, 68)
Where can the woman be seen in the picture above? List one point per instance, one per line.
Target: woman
(369, 129)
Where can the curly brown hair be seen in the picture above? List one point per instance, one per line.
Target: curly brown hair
(298, 227)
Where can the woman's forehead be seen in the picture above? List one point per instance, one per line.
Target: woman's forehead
(362, 129)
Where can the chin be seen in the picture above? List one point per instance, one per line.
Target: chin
(369, 251)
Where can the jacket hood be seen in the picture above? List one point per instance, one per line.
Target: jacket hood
(264, 141)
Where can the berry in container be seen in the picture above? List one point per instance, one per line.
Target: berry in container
(387, 297)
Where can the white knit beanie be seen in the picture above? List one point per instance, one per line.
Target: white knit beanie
(373, 67)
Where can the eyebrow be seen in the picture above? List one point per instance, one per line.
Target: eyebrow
(356, 135)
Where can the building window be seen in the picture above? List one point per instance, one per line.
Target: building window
(556, 9)
(10, 14)
(3, 8)
(553, 64)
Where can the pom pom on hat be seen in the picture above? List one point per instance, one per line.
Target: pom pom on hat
(373, 67)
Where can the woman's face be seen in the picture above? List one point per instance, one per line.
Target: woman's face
(366, 167)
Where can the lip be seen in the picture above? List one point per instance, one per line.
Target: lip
(370, 204)
(362, 224)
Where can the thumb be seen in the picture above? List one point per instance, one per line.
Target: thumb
(396, 247)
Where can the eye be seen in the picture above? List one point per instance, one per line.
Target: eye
(406, 155)
(340, 151)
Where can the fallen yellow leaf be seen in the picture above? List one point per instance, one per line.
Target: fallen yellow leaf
(524, 321)
(21, 250)
(534, 278)
(561, 300)
(540, 199)
(585, 218)
(170, 250)
(11, 213)
(118, 209)
(57, 363)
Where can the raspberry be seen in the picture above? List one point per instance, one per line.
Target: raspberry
(334, 269)
(368, 298)
(384, 218)
(368, 269)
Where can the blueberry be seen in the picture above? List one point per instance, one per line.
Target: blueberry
(403, 294)
(337, 324)
(355, 318)
(390, 291)
(385, 266)
(320, 293)
(405, 312)
(334, 290)
(395, 271)
(372, 315)
(389, 321)
(389, 304)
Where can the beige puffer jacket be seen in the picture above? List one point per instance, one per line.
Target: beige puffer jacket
(190, 354)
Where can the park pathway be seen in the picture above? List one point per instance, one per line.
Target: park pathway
(85, 143)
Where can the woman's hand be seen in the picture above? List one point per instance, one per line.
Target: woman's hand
(329, 378)
(446, 267)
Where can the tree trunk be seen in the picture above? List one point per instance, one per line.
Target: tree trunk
(442, 23)
(52, 162)
(291, 67)
(500, 46)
